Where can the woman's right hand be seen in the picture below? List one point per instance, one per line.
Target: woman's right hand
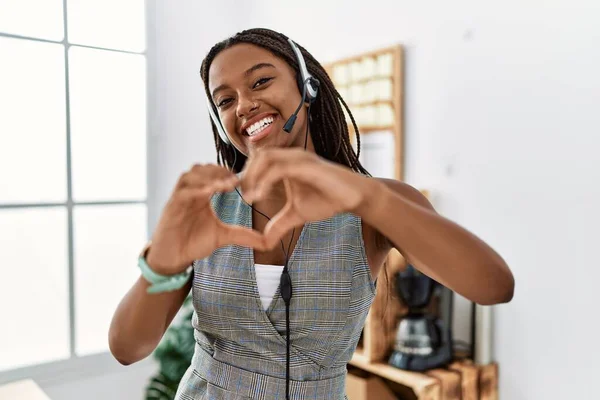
(188, 228)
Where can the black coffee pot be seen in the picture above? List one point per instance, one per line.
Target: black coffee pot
(423, 340)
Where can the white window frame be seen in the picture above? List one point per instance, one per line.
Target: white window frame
(81, 367)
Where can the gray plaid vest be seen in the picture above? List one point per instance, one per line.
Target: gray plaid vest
(241, 349)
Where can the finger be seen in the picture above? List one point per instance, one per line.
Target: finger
(288, 188)
(255, 166)
(188, 193)
(296, 167)
(239, 235)
(268, 167)
(222, 185)
(200, 175)
(269, 178)
(211, 171)
(279, 225)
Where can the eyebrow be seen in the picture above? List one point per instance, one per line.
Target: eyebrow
(247, 73)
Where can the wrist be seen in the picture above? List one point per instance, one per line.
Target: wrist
(162, 281)
(159, 266)
(373, 195)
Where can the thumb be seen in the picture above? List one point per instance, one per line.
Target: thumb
(279, 225)
(242, 236)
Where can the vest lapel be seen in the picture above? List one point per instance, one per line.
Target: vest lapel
(246, 221)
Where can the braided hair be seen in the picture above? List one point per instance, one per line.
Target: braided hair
(328, 126)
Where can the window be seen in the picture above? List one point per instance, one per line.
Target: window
(73, 209)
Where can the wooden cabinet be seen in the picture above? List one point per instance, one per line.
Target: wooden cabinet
(461, 380)
(361, 385)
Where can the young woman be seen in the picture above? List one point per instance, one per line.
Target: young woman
(286, 239)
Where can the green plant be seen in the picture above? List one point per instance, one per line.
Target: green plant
(174, 355)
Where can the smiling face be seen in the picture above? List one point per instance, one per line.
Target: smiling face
(255, 93)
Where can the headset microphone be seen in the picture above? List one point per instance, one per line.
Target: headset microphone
(289, 124)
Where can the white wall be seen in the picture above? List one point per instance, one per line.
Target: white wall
(501, 125)
(179, 130)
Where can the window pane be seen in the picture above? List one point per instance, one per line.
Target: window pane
(112, 24)
(32, 126)
(34, 18)
(34, 295)
(108, 124)
(108, 240)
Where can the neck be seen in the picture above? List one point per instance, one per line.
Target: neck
(276, 194)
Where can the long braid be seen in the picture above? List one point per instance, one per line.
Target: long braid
(328, 125)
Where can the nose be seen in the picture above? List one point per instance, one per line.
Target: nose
(245, 106)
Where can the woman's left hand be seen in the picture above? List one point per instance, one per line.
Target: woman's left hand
(315, 188)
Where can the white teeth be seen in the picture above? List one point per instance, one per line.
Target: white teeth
(259, 126)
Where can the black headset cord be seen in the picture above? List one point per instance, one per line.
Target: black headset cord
(285, 284)
(285, 281)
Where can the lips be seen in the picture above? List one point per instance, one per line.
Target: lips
(254, 120)
(263, 132)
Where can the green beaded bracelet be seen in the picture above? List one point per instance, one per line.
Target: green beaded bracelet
(161, 283)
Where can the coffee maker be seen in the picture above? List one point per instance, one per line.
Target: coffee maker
(424, 335)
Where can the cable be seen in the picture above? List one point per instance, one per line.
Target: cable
(285, 283)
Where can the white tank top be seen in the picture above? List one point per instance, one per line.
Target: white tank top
(267, 280)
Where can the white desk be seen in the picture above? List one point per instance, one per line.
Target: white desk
(22, 390)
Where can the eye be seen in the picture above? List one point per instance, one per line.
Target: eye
(260, 82)
(223, 102)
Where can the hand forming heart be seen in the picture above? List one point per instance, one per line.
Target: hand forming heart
(188, 228)
(315, 188)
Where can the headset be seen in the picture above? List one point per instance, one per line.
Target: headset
(309, 87)
(307, 84)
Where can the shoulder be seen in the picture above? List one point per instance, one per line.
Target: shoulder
(409, 193)
(406, 191)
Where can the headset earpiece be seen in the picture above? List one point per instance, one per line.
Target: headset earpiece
(312, 83)
(305, 77)
(217, 122)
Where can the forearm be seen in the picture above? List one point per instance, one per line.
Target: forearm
(437, 246)
(141, 319)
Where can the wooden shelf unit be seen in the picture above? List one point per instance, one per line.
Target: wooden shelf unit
(424, 386)
(380, 74)
(462, 379)
(382, 65)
